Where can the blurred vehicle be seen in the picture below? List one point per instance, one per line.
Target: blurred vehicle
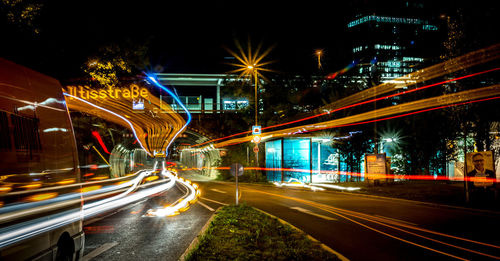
(40, 190)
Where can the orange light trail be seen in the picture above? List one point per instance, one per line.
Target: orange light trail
(154, 131)
(407, 114)
(356, 104)
(44, 196)
(460, 98)
(459, 63)
(379, 220)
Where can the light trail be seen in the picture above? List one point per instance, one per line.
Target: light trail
(459, 63)
(383, 221)
(182, 204)
(126, 199)
(132, 184)
(19, 210)
(155, 82)
(99, 139)
(354, 105)
(293, 182)
(154, 128)
(398, 238)
(16, 233)
(358, 174)
(453, 65)
(101, 155)
(379, 220)
(455, 99)
(113, 113)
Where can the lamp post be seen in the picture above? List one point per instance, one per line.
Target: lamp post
(319, 54)
(254, 74)
(251, 65)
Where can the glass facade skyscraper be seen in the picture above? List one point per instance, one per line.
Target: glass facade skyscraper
(390, 40)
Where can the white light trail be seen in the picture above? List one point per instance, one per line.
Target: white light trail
(293, 182)
(21, 231)
(180, 205)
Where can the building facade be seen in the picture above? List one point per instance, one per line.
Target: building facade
(201, 93)
(393, 39)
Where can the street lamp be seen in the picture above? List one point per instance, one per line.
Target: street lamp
(319, 54)
(254, 73)
(251, 66)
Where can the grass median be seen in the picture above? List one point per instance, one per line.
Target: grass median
(243, 233)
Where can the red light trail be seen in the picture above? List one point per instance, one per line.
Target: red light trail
(99, 139)
(355, 105)
(357, 174)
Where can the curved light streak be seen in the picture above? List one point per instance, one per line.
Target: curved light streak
(355, 105)
(127, 199)
(180, 205)
(132, 183)
(155, 82)
(116, 114)
(405, 109)
(16, 233)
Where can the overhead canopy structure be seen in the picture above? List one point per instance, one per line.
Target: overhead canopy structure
(154, 123)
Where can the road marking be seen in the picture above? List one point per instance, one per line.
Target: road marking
(220, 191)
(203, 204)
(99, 251)
(397, 220)
(220, 203)
(336, 211)
(307, 211)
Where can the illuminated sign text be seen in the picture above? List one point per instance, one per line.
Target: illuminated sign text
(84, 92)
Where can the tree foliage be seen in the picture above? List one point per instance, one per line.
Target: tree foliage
(115, 61)
(23, 14)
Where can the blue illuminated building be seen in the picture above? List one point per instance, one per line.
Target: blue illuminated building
(303, 159)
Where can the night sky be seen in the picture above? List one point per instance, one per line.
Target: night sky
(188, 36)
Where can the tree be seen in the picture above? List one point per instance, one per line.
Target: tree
(115, 61)
(23, 14)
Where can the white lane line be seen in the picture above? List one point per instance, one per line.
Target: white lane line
(220, 191)
(203, 204)
(397, 220)
(99, 251)
(211, 200)
(307, 211)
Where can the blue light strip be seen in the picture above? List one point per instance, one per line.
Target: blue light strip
(153, 79)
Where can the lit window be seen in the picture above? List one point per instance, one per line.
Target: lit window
(429, 27)
(383, 19)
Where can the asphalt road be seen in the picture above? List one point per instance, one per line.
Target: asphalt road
(372, 228)
(126, 234)
(357, 226)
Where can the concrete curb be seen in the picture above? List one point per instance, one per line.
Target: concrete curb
(197, 238)
(325, 247)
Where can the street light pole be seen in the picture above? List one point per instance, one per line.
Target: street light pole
(256, 101)
(254, 71)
